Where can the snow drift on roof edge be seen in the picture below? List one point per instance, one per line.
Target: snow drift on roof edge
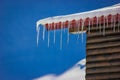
(83, 15)
(98, 12)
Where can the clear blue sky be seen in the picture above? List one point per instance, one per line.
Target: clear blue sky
(20, 58)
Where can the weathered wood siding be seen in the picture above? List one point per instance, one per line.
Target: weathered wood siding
(103, 53)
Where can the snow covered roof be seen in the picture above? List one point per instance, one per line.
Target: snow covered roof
(79, 20)
(98, 12)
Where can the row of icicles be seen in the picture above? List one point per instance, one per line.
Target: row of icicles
(80, 25)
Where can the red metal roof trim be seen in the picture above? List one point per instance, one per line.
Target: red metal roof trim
(74, 23)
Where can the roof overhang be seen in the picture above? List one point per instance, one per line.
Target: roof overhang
(78, 23)
(113, 10)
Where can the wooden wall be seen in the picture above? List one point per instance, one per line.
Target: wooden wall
(103, 53)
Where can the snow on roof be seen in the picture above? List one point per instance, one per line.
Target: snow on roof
(113, 10)
(98, 12)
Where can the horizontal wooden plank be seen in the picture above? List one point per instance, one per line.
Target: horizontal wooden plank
(103, 69)
(96, 29)
(103, 45)
(103, 57)
(105, 76)
(103, 51)
(108, 33)
(105, 63)
(103, 39)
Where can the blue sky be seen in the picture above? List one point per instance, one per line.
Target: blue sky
(20, 58)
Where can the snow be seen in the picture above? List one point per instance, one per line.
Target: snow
(83, 15)
(77, 72)
(98, 12)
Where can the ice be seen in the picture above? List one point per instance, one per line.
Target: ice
(82, 30)
(104, 26)
(48, 36)
(89, 27)
(64, 27)
(92, 23)
(38, 29)
(78, 28)
(43, 32)
(97, 23)
(68, 33)
(61, 36)
(100, 26)
(98, 12)
(107, 21)
(114, 23)
(119, 23)
(113, 10)
(54, 33)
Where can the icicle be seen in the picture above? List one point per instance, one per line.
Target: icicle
(78, 25)
(114, 21)
(111, 21)
(61, 36)
(100, 26)
(92, 23)
(82, 30)
(38, 29)
(68, 33)
(97, 23)
(54, 33)
(107, 21)
(104, 26)
(48, 35)
(89, 27)
(64, 26)
(119, 23)
(43, 32)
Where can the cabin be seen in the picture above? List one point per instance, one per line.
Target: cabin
(102, 27)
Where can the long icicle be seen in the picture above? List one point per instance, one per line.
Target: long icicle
(97, 24)
(68, 33)
(48, 35)
(43, 32)
(92, 23)
(111, 21)
(61, 36)
(64, 26)
(118, 22)
(107, 21)
(38, 29)
(100, 25)
(104, 26)
(114, 21)
(82, 30)
(89, 27)
(54, 33)
(78, 25)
